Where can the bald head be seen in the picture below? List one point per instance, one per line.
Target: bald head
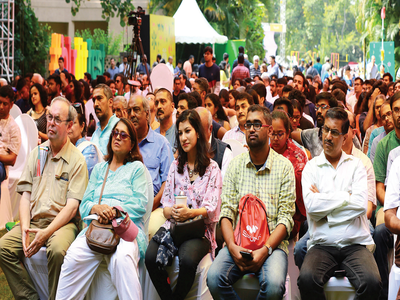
(37, 78)
(206, 120)
(3, 82)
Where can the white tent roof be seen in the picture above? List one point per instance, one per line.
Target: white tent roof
(191, 26)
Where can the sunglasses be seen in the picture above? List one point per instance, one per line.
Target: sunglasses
(123, 135)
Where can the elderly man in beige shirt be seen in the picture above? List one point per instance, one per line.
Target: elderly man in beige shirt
(52, 186)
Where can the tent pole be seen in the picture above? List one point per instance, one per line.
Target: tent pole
(214, 50)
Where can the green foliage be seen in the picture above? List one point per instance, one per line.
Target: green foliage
(32, 40)
(111, 8)
(237, 19)
(324, 27)
(369, 23)
(111, 41)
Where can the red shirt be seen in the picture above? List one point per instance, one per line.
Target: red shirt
(240, 72)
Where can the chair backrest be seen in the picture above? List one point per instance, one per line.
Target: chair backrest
(15, 111)
(236, 146)
(29, 139)
(89, 110)
(150, 200)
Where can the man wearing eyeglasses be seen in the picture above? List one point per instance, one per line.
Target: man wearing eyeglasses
(52, 186)
(311, 138)
(156, 152)
(335, 193)
(269, 176)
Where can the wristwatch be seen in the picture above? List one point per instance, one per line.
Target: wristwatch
(269, 249)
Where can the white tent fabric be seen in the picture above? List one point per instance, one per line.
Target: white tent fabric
(191, 26)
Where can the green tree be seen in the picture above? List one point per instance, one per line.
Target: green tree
(32, 40)
(111, 8)
(111, 41)
(237, 19)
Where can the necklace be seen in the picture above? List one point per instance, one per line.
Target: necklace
(38, 113)
(192, 172)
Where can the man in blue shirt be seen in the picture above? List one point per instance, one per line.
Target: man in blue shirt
(113, 70)
(318, 66)
(210, 71)
(103, 103)
(156, 152)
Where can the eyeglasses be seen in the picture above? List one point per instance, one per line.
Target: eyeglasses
(123, 135)
(57, 120)
(278, 135)
(256, 126)
(323, 107)
(335, 133)
(387, 115)
(78, 106)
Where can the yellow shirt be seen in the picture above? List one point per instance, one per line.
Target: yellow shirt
(64, 176)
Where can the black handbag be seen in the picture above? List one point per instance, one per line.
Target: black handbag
(190, 229)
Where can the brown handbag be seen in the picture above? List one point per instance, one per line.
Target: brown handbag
(102, 237)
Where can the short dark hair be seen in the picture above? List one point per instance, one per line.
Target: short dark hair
(359, 78)
(299, 96)
(6, 91)
(245, 96)
(225, 56)
(287, 88)
(197, 97)
(159, 56)
(56, 79)
(393, 99)
(88, 76)
(259, 88)
(339, 95)
(61, 58)
(241, 49)
(318, 59)
(281, 81)
(272, 56)
(191, 101)
(20, 84)
(389, 75)
(329, 97)
(177, 78)
(240, 58)
(296, 105)
(208, 49)
(42, 94)
(191, 56)
(339, 84)
(339, 113)
(107, 74)
(279, 114)
(287, 102)
(265, 111)
(298, 73)
(254, 94)
(203, 84)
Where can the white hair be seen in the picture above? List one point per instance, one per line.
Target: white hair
(264, 76)
(72, 114)
(246, 56)
(121, 99)
(200, 110)
(256, 57)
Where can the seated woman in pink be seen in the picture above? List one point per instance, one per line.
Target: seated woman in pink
(199, 178)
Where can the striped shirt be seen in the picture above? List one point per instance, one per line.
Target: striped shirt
(273, 183)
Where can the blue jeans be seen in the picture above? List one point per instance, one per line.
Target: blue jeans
(223, 273)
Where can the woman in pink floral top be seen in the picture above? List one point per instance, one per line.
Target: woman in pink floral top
(282, 144)
(199, 178)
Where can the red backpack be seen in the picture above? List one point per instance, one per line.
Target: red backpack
(252, 230)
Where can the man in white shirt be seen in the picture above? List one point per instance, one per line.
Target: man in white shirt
(372, 68)
(335, 194)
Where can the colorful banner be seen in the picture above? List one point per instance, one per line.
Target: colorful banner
(162, 38)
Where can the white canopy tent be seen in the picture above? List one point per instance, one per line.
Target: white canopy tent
(191, 27)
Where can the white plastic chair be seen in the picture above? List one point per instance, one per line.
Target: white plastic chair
(339, 289)
(15, 111)
(29, 138)
(5, 205)
(236, 146)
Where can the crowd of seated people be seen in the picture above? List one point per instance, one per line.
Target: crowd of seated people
(320, 161)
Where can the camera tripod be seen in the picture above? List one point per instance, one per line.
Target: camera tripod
(135, 20)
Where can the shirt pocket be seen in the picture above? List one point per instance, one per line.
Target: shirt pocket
(59, 193)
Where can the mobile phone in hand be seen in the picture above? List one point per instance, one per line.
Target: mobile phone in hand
(246, 255)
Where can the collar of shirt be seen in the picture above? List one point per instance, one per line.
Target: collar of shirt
(321, 159)
(237, 129)
(64, 153)
(108, 124)
(149, 137)
(268, 163)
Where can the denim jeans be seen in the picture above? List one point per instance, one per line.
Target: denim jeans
(223, 273)
(321, 262)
